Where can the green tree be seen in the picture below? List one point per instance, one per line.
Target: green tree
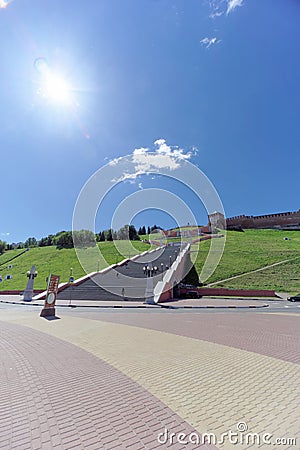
(123, 233)
(156, 227)
(64, 240)
(128, 232)
(109, 235)
(2, 247)
(46, 241)
(43, 242)
(142, 230)
(84, 238)
(133, 235)
(31, 242)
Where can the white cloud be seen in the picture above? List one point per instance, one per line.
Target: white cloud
(216, 14)
(127, 176)
(195, 150)
(5, 234)
(232, 4)
(141, 151)
(220, 7)
(145, 161)
(114, 162)
(176, 152)
(207, 42)
(216, 7)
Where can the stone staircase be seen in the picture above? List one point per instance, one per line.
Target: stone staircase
(122, 282)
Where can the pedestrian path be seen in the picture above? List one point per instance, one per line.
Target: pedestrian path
(96, 377)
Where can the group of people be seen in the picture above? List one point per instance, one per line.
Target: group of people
(150, 271)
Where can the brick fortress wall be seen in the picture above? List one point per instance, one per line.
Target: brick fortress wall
(287, 220)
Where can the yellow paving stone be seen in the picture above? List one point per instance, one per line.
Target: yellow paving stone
(282, 314)
(197, 379)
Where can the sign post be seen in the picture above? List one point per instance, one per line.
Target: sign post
(52, 289)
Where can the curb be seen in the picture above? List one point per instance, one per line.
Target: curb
(78, 306)
(216, 307)
(140, 306)
(258, 299)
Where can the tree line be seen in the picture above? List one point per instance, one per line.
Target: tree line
(86, 238)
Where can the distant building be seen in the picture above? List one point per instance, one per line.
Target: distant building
(192, 231)
(279, 221)
(216, 220)
(186, 231)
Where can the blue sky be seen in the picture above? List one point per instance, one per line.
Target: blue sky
(221, 77)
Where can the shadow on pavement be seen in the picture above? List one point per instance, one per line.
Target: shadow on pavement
(51, 318)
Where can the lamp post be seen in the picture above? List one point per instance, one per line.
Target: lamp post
(149, 293)
(28, 293)
(71, 281)
(148, 271)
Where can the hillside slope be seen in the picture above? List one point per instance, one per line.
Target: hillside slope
(244, 252)
(50, 260)
(253, 249)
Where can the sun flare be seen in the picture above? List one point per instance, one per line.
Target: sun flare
(52, 85)
(3, 4)
(56, 89)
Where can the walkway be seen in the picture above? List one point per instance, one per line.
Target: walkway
(116, 380)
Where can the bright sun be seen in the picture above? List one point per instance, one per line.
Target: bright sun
(56, 89)
(52, 85)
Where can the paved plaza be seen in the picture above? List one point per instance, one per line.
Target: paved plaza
(128, 379)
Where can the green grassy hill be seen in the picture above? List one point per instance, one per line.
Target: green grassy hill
(244, 252)
(50, 260)
(254, 249)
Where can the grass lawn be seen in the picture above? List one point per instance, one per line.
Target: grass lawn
(252, 250)
(243, 253)
(50, 260)
(282, 278)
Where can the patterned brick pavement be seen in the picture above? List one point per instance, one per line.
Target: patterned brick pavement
(207, 371)
(276, 335)
(54, 395)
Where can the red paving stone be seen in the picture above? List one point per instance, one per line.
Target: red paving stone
(54, 395)
(272, 335)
